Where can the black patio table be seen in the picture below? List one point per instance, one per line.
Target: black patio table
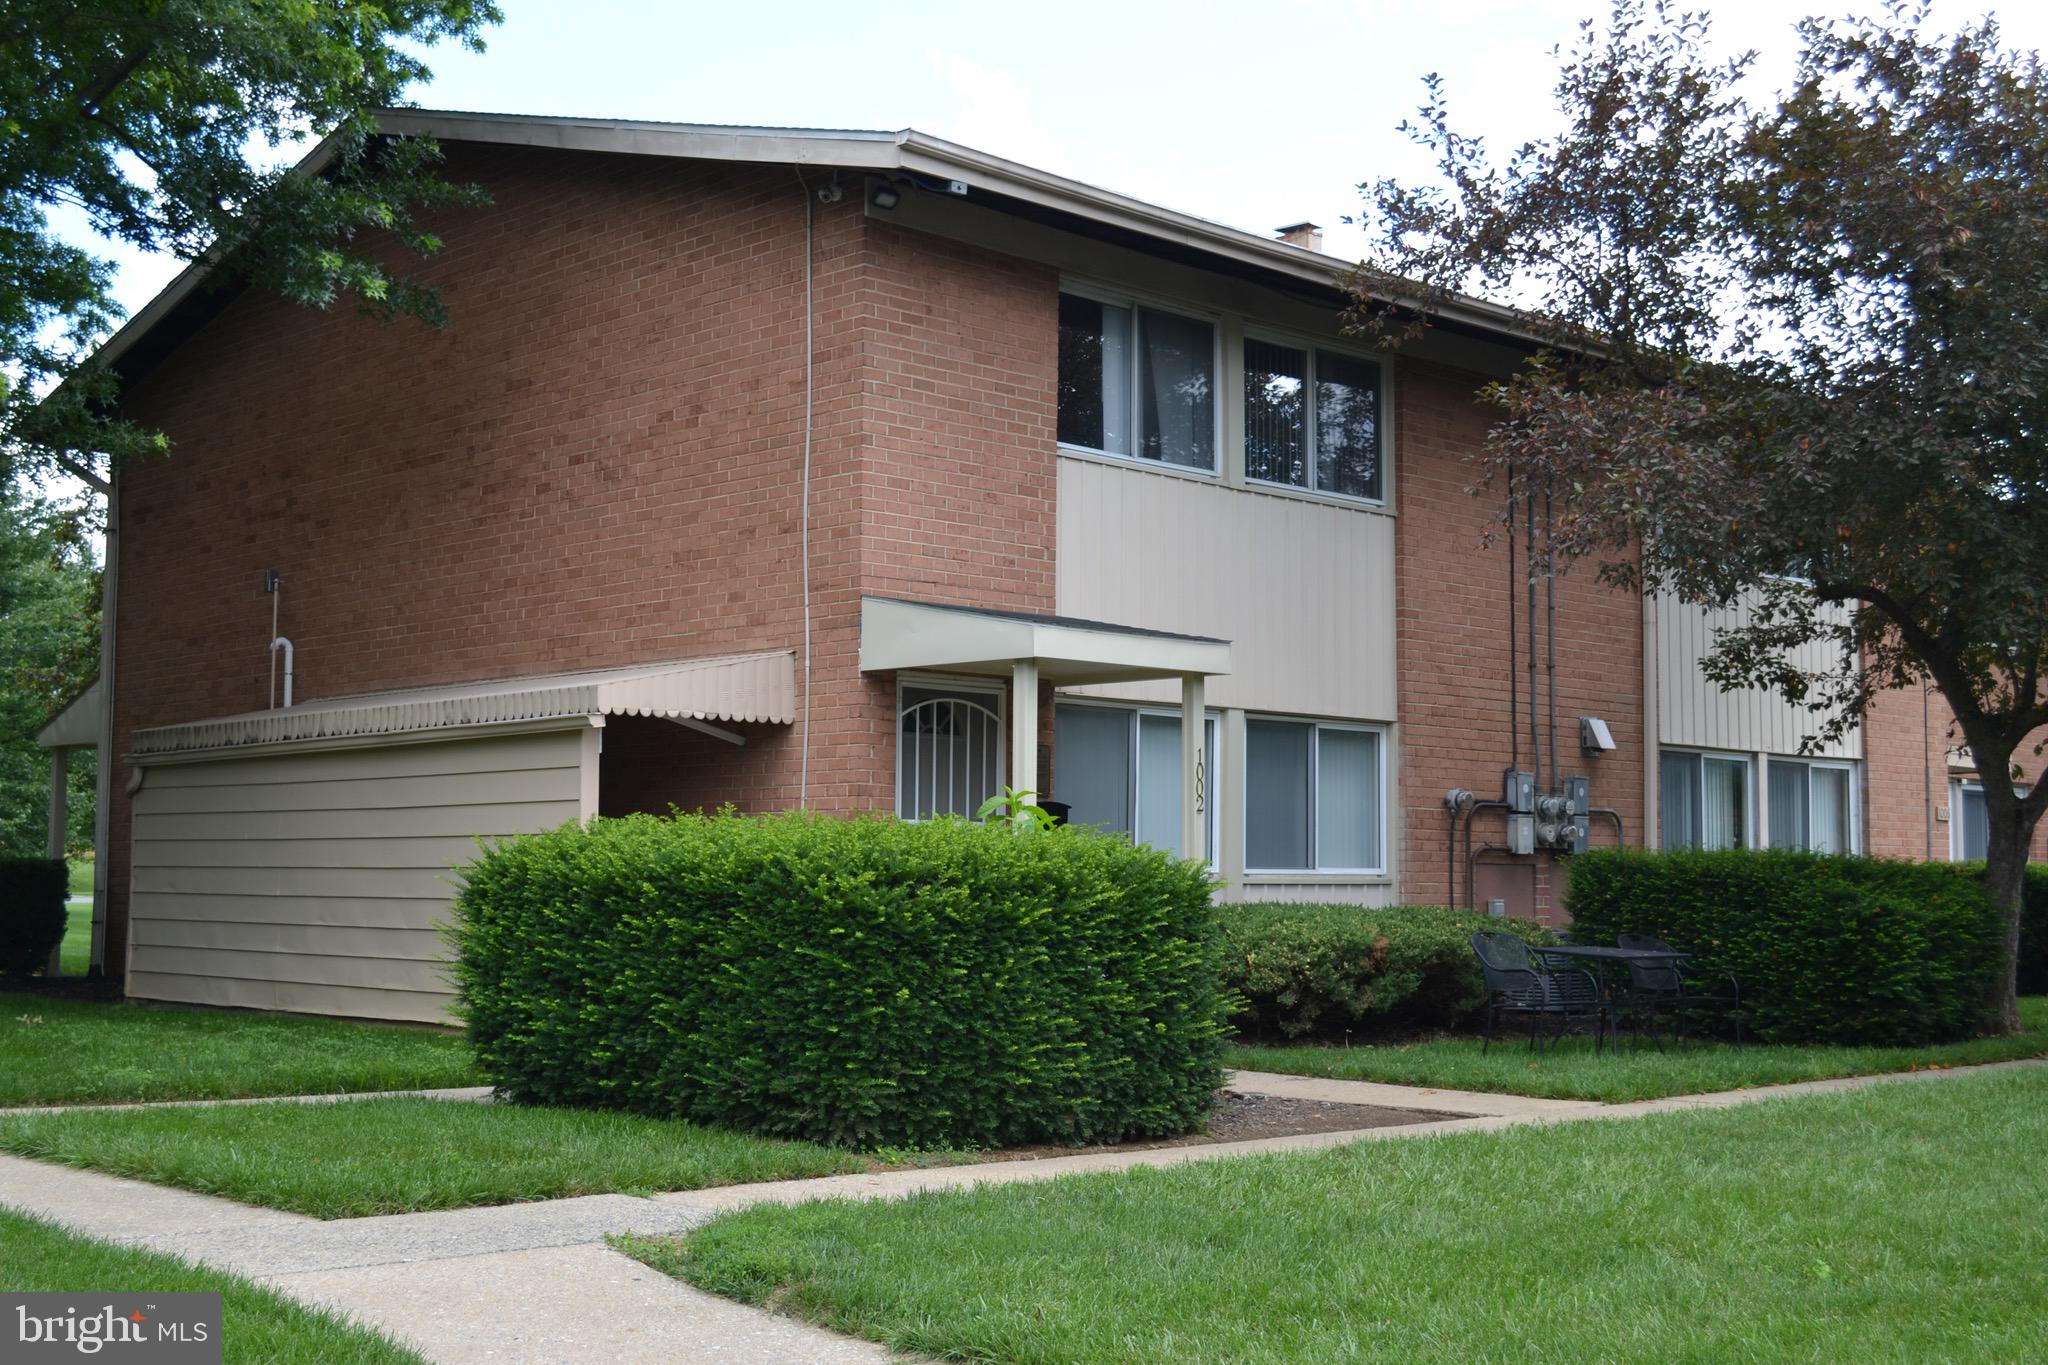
(1602, 957)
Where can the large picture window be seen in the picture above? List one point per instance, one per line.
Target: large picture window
(1137, 382)
(1311, 419)
(1705, 799)
(1312, 797)
(1119, 768)
(1812, 806)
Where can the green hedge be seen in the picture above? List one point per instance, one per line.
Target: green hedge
(1326, 970)
(866, 982)
(1828, 949)
(32, 912)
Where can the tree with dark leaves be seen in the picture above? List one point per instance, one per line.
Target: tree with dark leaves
(1794, 355)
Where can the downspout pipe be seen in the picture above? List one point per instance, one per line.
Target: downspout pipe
(103, 779)
(277, 643)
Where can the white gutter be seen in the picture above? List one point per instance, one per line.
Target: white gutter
(103, 777)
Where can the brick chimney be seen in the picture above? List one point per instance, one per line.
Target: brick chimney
(1301, 234)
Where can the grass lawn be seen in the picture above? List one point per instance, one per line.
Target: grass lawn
(259, 1327)
(58, 1051)
(80, 870)
(76, 951)
(360, 1157)
(1573, 1072)
(1897, 1223)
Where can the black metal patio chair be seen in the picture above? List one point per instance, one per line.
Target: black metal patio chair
(1517, 983)
(1657, 989)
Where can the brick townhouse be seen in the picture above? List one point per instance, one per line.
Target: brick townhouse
(859, 471)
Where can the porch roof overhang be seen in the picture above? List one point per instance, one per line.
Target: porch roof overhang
(756, 687)
(77, 724)
(897, 634)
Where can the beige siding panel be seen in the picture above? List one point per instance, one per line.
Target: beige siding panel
(318, 881)
(1324, 893)
(367, 912)
(414, 883)
(436, 853)
(409, 945)
(311, 969)
(525, 786)
(422, 1007)
(381, 823)
(433, 759)
(1303, 590)
(1694, 713)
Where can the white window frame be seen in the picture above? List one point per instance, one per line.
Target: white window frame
(1315, 754)
(1956, 852)
(1212, 736)
(1117, 299)
(1299, 342)
(943, 682)
(1749, 789)
(1855, 795)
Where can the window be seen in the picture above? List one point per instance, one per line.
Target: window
(1812, 806)
(1705, 799)
(1119, 769)
(1972, 837)
(1311, 419)
(1312, 797)
(949, 753)
(1138, 382)
(1970, 821)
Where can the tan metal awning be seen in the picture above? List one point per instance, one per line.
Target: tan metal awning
(758, 687)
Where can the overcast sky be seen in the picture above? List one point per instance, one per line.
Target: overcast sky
(1255, 113)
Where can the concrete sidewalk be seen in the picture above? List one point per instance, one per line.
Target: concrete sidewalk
(535, 1282)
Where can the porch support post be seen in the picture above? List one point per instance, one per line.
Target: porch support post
(1024, 728)
(1194, 785)
(60, 819)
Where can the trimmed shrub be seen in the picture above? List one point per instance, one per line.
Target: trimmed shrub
(1298, 970)
(2034, 932)
(32, 912)
(863, 982)
(1828, 949)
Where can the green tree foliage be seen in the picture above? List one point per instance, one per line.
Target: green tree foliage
(1793, 355)
(49, 651)
(163, 122)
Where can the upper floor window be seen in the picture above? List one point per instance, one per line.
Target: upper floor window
(1137, 382)
(1311, 419)
(1812, 806)
(1705, 799)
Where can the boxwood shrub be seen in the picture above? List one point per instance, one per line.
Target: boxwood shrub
(1326, 970)
(1828, 949)
(863, 982)
(32, 912)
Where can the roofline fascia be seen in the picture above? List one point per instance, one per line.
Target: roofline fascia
(907, 151)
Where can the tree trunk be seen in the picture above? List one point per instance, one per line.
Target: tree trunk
(2005, 875)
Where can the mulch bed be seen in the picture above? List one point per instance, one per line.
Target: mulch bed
(63, 987)
(1242, 1117)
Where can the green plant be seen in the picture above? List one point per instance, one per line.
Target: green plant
(1299, 970)
(32, 912)
(860, 982)
(1828, 949)
(1017, 809)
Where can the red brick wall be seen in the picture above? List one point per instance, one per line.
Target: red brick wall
(1906, 751)
(1452, 615)
(598, 463)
